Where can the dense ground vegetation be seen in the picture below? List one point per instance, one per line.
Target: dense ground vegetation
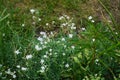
(59, 40)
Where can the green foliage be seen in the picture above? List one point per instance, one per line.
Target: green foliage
(69, 52)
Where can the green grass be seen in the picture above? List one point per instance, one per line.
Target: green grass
(64, 45)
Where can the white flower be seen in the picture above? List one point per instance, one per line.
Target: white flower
(67, 17)
(53, 22)
(0, 73)
(0, 65)
(61, 17)
(32, 11)
(34, 17)
(67, 65)
(50, 54)
(96, 60)
(17, 52)
(45, 56)
(73, 28)
(73, 47)
(83, 29)
(44, 46)
(63, 39)
(63, 54)
(92, 21)
(42, 71)
(55, 53)
(73, 24)
(47, 24)
(50, 50)
(43, 67)
(45, 42)
(40, 39)
(3, 34)
(8, 72)
(42, 61)
(38, 48)
(18, 66)
(14, 76)
(93, 39)
(116, 32)
(23, 68)
(70, 35)
(29, 56)
(64, 24)
(90, 17)
(46, 52)
(23, 25)
(39, 19)
(44, 36)
(43, 33)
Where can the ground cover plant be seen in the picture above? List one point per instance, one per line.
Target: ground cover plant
(35, 46)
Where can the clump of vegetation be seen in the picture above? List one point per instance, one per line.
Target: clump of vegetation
(57, 48)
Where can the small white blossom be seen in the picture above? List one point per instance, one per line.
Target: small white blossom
(63, 39)
(29, 56)
(0, 65)
(116, 32)
(45, 42)
(92, 21)
(93, 39)
(39, 19)
(55, 53)
(70, 35)
(43, 67)
(32, 11)
(96, 60)
(8, 71)
(67, 65)
(18, 66)
(23, 25)
(83, 29)
(17, 52)
(42, 61)
(38, 48)
(42, 71)
(73, 24)
(3, 34)
(40, 39)
(23, 69)
(50, 50)
(90, 17)
(50, 54)
(53, 22)
(63, 54)
(34, 17)
(45, 56)
(47, 24)
(73, 47)
(62, 17)
(43, 33)
(0, 73)
(73, 28)
(44, 46)
(67, 17)
(14, 76)
(46, 52)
